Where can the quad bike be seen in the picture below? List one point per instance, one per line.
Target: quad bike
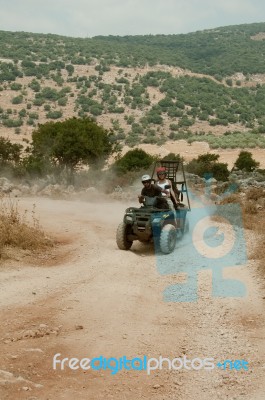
(155, 221)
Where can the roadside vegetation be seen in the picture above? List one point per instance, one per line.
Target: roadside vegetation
(58, 147)
(252, 202)
(20, 231)
(207, 166)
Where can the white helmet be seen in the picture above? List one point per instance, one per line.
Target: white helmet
(146, 178)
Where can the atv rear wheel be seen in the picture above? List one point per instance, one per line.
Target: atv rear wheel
(168, 239)
(121, 237)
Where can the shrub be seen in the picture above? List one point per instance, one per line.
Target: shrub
(133, 160)
(206, 165)
(15, 231)
(31, 122)
(62, 101)
(54, 114)
(38, 101)
(220, 171)
(250, 207)
(12, 123)
(246, 162)
(174, 127)
(15, 86)
(172, 157)
(34, 85)
(34, 115)
(17, 100)
(255, 193)
(22, 113)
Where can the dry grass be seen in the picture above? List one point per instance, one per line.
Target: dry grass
(258, 253)
(17, 231)
(232, 198)
(253, 219)
(255, 194)
(249, 206)
(257, 223)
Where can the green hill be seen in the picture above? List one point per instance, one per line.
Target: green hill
(221, 51)
(146, 88)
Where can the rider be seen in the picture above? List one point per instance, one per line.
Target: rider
(168, 193)
(151, 190)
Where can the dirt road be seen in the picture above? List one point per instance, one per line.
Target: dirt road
(86, 298)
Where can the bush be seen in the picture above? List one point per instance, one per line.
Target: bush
(246, 162)
(22, 113)
(54, 114)
(250, 207)
(172, 157)
(62, 101)
(34, 115)
(35, 85)
(133, 160)
(206, 165)
(255, 194)
(38, 101)
(15, 86)
(220, 171)
(15, 231)
(17, 100)
(12, 123)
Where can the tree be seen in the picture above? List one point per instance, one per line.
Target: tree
(173, 157)
(9, 152)
(220, 171)
(133, 160)
(246, 161)
(72, 141)
(208, 158)
(206, 165)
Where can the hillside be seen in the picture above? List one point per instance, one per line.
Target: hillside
(203, 86)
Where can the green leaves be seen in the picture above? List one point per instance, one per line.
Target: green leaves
(246, 162)
(206, 164)
(133, 160)
(72, 141)
(9, 152)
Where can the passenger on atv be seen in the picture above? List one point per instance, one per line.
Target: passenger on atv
(152, 190)
(164, 183)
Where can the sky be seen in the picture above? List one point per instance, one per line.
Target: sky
(88, 18)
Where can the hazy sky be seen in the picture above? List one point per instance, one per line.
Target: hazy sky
(87, 18)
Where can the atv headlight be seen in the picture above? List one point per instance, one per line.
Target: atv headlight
(128, 218)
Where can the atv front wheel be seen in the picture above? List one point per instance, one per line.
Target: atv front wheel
(121, 237)
(168, 239)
